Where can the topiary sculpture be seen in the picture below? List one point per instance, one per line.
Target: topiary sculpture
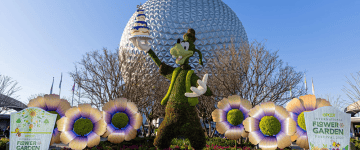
(181, 118)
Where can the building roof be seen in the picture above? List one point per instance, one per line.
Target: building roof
(9, 102)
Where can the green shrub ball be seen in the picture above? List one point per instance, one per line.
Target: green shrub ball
(57, 117)
(83, 126)
(235, 117)
(120, 120)
(269, 125)
(301, 120)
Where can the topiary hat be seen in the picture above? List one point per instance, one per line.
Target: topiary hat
(190, 36)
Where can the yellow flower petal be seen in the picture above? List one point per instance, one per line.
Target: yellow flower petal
(131, 134)
(302, 142)
(233, 133)
(223, 104)
(221, 127)
(251, 124)
(309, 101)
(93, 139)
(132, 107)
(246, 104)
(218, 115)
(255, 137)
(63, 107)
(289, 126)
(234, 101)
(121, 103)
(100, 127)
(109, 106)
(37, 102)
(52, 101)
(96, 115)
(281, 113)
(67, 136)
(73, 113)
(268, 143)
(322, 102)
(268, 108)
(138, 121)
(106, 134)
(116, 137)
(256, 112)
(78, 143)
(283, 140)
(55, 139)
(295, 106)
(64, 124)
(85, 110)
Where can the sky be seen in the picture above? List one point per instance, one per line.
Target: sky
(40, 40)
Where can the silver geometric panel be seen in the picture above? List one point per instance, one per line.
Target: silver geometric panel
(214, 22)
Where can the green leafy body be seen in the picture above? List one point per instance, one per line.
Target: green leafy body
(181, 118)
(57, 117)
(301, 120)
(120, 120)
(235, 117)
(269, 125)
(83, 126)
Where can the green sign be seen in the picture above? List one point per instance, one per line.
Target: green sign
(328, 128)
(31, 129)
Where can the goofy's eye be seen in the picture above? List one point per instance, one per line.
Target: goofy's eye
(185, 45)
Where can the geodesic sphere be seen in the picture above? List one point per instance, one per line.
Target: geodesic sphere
(214, 22)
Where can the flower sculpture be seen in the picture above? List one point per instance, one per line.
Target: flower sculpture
(122, 119)
(53, 104)
(270, 126)
(229, 116)
(297, 107)
(82, 126)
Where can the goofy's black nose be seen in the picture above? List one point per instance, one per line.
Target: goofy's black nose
(178, 41)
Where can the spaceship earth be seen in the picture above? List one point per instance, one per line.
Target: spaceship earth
(214, 22)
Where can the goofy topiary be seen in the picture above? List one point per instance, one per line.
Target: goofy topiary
(181, 118)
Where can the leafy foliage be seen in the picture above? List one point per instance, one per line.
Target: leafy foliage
(235, 117)
(301, 121)
(269, 125)
(120, 120)
(83, 126)
(57, 118)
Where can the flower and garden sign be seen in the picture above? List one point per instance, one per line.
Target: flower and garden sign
(31, 128)
(329, 127)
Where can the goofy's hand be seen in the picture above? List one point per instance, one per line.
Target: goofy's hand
(200, 90)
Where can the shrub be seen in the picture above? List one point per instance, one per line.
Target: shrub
(120, 120)
(3, 142)
(57, 117)
(83, 126)
(301, 120)
(269, 125)
(235, 117)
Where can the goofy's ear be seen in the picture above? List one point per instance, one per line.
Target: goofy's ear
(178, 41)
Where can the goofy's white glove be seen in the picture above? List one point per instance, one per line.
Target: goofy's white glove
(200, 90)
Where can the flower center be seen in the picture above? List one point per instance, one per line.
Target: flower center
(301, 120)
(269, 125)
(83, 126)
(120, 120)
(57, 117)
(235, 117)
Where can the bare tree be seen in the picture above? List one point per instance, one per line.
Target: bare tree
(99, 78)
(107, 76)
(255, 74)
(336, 101)
(353, 92)
(8, 89)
